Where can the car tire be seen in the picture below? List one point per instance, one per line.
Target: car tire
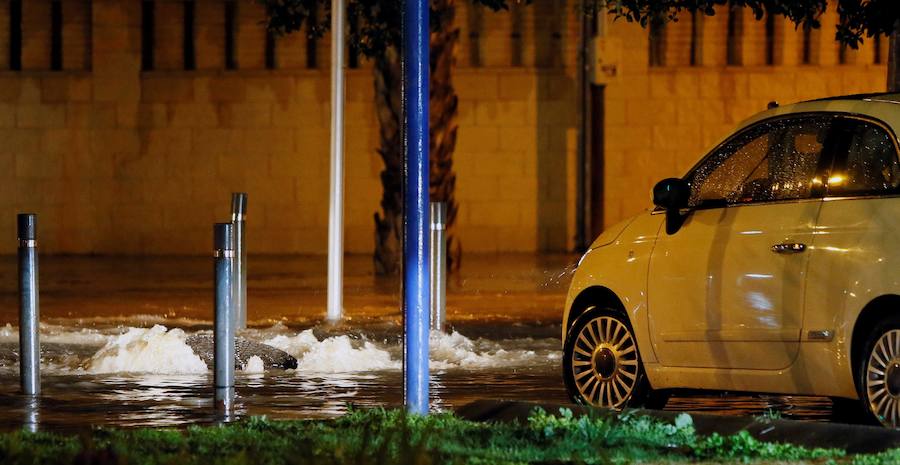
(602, 365)
(878, 374)
(850, 411)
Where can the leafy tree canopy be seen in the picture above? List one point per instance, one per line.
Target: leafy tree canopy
(379, 20)
(858, 18)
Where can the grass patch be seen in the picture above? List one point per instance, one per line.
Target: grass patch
(389, 436)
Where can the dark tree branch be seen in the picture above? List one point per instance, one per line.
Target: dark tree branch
(379, 19)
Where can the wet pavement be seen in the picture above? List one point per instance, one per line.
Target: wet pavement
(113, 332)
(284, 289)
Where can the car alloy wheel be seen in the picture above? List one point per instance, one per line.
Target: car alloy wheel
(604, 362)
(883, 378)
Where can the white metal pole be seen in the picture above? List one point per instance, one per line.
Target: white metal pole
(336, 205)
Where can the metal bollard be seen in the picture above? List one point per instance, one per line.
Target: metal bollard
(29, 317)
(438, 266)
(239, 282)
(32, 408)
(223, 375)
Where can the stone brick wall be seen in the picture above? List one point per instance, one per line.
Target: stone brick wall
(516, 138)
(119, 160)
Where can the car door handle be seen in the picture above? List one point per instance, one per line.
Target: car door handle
(789, 248)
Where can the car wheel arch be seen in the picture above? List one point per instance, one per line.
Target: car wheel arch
(595, 296)
(876, 311)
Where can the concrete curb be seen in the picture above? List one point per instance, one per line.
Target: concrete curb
(852, 438)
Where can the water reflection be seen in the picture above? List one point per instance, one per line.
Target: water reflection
(74, 402)
(790, 407)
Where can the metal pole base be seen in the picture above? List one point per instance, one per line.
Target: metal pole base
(225, 402)
(32, 414)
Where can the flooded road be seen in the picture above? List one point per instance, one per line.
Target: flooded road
(114, 353)
(88, 384)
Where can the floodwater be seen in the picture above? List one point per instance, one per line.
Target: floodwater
(113, 338)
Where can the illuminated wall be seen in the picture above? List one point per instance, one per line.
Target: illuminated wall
(121, 158)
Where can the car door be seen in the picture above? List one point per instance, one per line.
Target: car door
(726, 290)
(854, 257)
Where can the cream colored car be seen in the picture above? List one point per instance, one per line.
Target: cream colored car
(772, 266)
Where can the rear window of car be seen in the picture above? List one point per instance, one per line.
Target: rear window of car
(870, 164)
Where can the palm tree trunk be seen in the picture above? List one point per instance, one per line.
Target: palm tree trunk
(388, 105)
(442, 131)
(443, 125)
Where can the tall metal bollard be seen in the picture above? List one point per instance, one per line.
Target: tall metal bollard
(239, 283)
(29, 317)
(223, 240)
(438, 266)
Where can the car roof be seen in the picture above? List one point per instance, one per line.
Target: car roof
(893, 97)
(883, 106)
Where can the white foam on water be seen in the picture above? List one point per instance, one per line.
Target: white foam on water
(154, 350)
(159, 350)
(56, 334)
(454, 350)
(342, 354)
(294, 345)
(338, 354)
(254, 365)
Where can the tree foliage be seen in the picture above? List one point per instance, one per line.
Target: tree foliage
(379, 24)
(379, 20)
(857, 18)
(866, 17)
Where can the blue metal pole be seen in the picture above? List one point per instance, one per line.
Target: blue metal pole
(416, 282)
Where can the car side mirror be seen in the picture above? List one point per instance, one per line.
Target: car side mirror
(672, 195)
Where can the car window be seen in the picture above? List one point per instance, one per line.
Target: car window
(724, 173)
(870, 166)
(794, 160)
(774, 160)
